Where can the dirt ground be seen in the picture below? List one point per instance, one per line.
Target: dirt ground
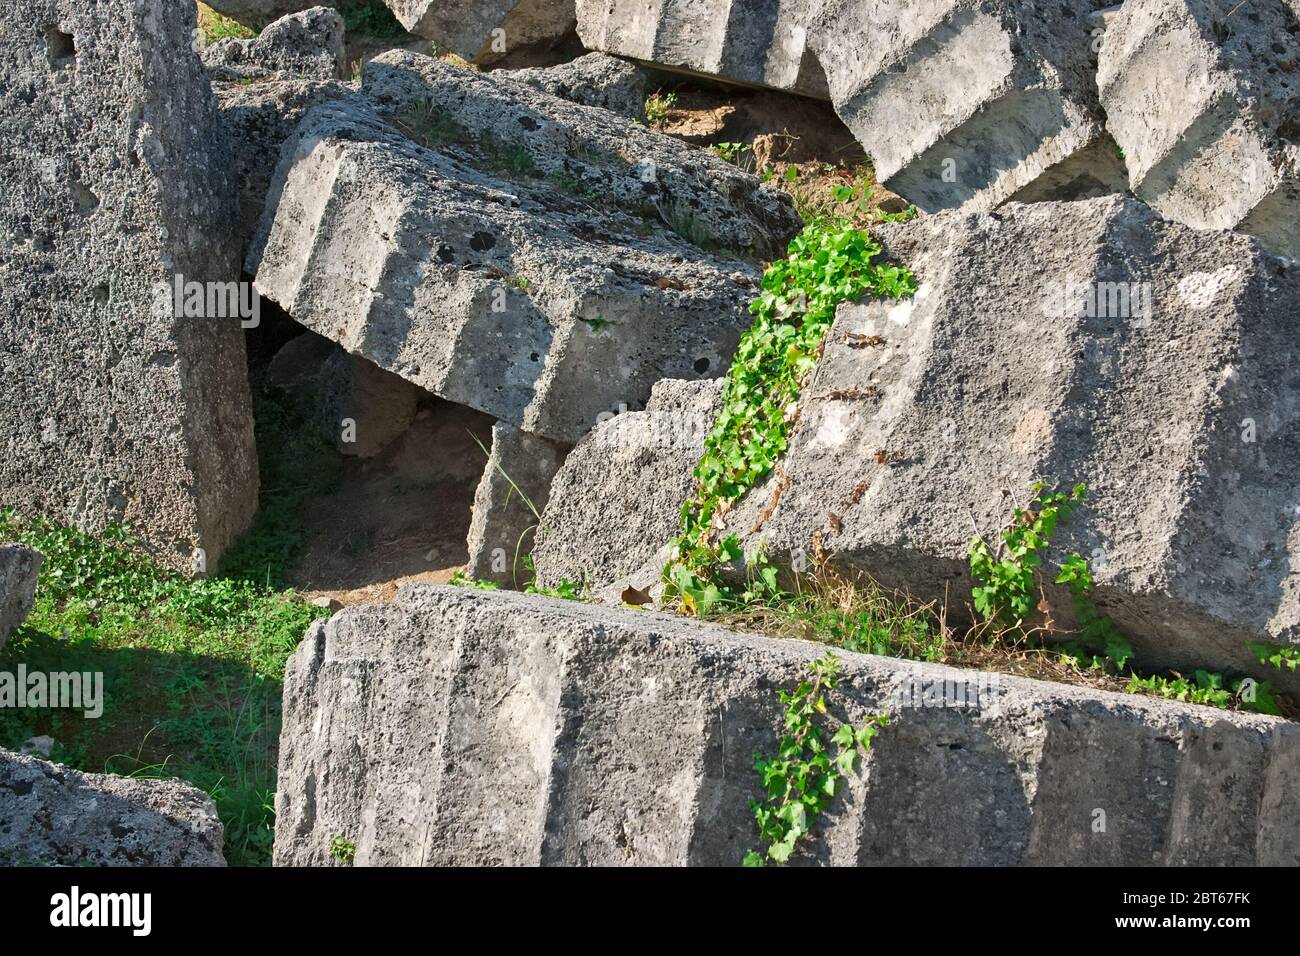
(777, 133)
(401, 516)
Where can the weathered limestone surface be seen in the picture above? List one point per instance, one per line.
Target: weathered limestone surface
(592, 80)
(53, 816)
(616, 504)
(755, 42)
(116, 410)
(515, 487)
(609, 160)
(257, 119)
(457, 727)
(485, 30)
(306, 45)
(1071, 343)
(1205, 101)
(520, 266)
(19, 569)
(1083, 342)
(962, 103)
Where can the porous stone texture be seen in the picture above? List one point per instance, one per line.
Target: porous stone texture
(485, 30)
(1086, 342)
(1204, 99)
(306, 45)
(454, 727)
(962, 103)
(515, 487)
(53, 816)
(607, 160)
(19, 568)
(754, 42)
(615, 506)
(115, 409)
(353, 403)
(257, 119)
(592, 80)
(497, 269)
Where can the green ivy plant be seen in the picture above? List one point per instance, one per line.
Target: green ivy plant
(1006, 590)
(828, 263)
(805, 775)
(343, 850)
(1006, 595)
(1277, 655)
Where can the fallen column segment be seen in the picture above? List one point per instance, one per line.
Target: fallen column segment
(507, 250)
(1204, 102)
(456, 727)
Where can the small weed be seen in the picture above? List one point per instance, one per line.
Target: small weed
(657, 107)
(683, 220)
(574, 187)
(1006, 592)
(730, 152)
(569, 590)
(433, 125)
(1277, 655)
(461, 580)
(510, 159)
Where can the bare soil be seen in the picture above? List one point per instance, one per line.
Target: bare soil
(400, 516)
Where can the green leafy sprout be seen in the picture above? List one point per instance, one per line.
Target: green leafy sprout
(343, 850)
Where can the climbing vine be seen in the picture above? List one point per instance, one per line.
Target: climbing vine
(804, 776)
(828, 263)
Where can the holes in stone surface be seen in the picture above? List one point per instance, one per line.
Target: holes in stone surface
(86, 201)
(61, 48)
(701, 365)
(377, 475)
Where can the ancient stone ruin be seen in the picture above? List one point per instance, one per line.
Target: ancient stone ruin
(608, 432)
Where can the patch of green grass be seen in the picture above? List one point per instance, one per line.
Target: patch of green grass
(192, 671)
(214, 26)
(192, 668)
